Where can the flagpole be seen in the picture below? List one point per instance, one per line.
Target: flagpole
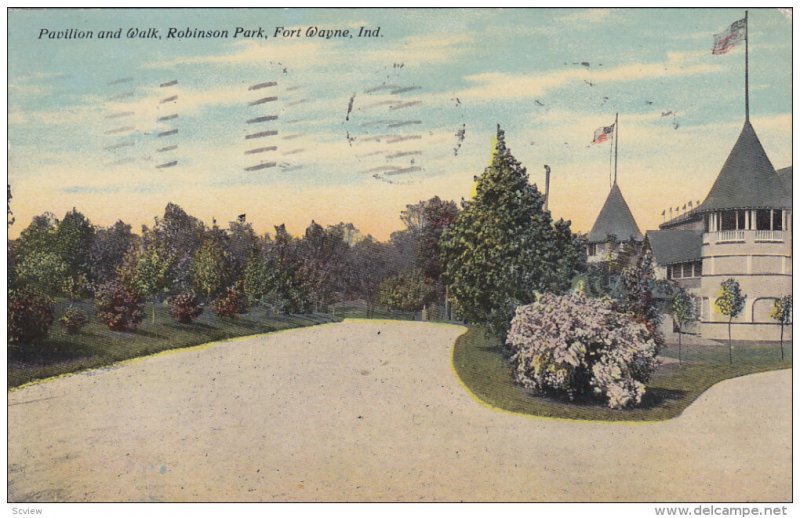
(616, 145)
(746, 70)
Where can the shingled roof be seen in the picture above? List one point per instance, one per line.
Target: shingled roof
(785, 175)
(675, 246)
(747, 180)
(615, 219)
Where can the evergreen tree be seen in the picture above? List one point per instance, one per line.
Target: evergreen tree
(503, 246)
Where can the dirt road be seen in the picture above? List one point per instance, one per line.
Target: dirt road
(371, 411)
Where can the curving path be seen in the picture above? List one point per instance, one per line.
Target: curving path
(371, 411)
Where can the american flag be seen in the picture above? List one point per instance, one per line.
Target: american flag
(601, 134)
(726, 40)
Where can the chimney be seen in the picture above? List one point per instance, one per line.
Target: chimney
(546, 185)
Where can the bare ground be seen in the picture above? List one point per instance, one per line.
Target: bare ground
(371, 411)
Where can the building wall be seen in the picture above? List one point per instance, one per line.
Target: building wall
(762, 266)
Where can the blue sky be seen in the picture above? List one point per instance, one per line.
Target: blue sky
(426, 98)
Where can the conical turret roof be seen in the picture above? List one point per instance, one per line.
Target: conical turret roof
(748, 179)
(615, 218)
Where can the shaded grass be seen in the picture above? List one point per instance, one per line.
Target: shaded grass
(96, 346)
(479, 362)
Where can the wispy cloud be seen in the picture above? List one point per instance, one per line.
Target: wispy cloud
(498, 85)
(585, 18)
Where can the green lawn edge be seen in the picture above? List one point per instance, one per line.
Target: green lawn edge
(478, 362)
(96, 347)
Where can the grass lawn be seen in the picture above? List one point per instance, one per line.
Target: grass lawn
(95, 345)
(480, 365)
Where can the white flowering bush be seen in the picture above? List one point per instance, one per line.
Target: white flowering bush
(581, 347)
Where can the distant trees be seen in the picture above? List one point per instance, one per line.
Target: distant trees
(503, 247)
(42, 271)
(108, 250)
(730, 303)
(208, 271)
(408, 291)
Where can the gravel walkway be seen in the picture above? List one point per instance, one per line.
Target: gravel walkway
(371, 411)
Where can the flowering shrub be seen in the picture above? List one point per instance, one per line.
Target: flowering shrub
(581, 347)
(118, 307)
(73, 319)
(185, 307)
(229, 304)
(30, 315)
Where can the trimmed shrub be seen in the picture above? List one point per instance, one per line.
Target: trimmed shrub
(73, 320)
(119, 308)
(578, 347)
(185, 307)
(30, 315)
(229, 304)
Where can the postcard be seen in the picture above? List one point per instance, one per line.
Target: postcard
(400, 255)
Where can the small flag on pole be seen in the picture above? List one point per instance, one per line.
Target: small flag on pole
(727, 39)
(601, 134)
(663, 212)
(690, 205)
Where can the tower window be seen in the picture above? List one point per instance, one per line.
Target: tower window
(762, 219)
(777, 220)
(728, 220)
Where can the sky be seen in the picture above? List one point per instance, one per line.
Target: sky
(289, 125)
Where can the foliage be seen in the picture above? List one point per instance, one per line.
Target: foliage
(73, 320)
(229, 304)
(77, 287)
(409, 291)
(42, 271)
(323, 254)
(368, 264)
(782, 310)
(426, 221)
(257, 278)
(73, 242)
(185, 307)
(730, 303)
(119, 307)
(108, 250)
(638, 284)
(241, 243)
(503, 247)
(209, 269)
(38, 237)
(731, 300)
(177, 237)
(581, 347)
(291, 289)
(683, 312)
(683, 308)
(9, 213)
(152, 273)
(30, 315)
